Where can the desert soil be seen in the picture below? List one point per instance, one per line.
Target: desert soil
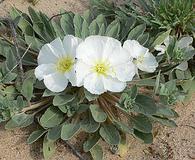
(169, 143)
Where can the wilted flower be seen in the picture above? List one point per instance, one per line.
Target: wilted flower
(103, 65)
(143, 59)
(183, 43)
(56, 63)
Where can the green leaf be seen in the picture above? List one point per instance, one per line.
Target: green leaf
(146, 137)
(87, 16)
(143, 39)
(63, 108)
(20, 120)
(82, 108)
(160, 39)
(91, 142)
(85, 29)
(89, 96)
(27, 88)
(145, 105)
(110, 134)
(34, 136)
(48, 93)
(49, 148)
(146, 82)
(102, 31)
(132, 92)
(78, 21)
(142, 124)
(137, 32)
(97, 152)
(52, 117)
(67, 24)
(157, 82)
(113, 29)
(60, 100)
(165, 111)
(164, 121)
(24, 21)
(34, 15)
(168, 88)
(54, 133)
(69, 130)
(89, 125)
(58, 30)
(123, 127)
(34, 42)
(93, 28)
(98, 114)
(128, 24)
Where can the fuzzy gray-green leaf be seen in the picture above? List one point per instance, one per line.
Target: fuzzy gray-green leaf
(49, 148)
(34, 136)
(98, 114)
(91, 142)
(137, 32)
(97, 152)
(60, 100)
(20, 120)
(69, 130)
(110, 134)
(52, 117)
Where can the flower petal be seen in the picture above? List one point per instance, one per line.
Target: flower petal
(149, 63)
(113, 52)
(94, 84)
(55, 82)
(82, 70)
(58, 47)
(134, 48)
(161, 48)
(113, 85)
(70, 44)
(185, 42)
(71, 76)
(183, 66)
(91, 49)
(43, 70)
(118, 56)
(125, 72)
(46, 55)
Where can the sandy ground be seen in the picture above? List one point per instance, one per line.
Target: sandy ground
(51, 7)
(169, 144)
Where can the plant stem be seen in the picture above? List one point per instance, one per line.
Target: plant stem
(23, 48)
(35, 106)
(15, 42)
(103, 103)
(75, 152)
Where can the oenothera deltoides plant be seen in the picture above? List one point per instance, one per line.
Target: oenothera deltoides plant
(101, 63)
(81, 73)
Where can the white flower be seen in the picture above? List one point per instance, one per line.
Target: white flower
(103, 65)
(143, 59)
(184, 42)
(56, 63)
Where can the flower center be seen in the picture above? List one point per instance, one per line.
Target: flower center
(65, 64)
(101, 68)
(140, 59)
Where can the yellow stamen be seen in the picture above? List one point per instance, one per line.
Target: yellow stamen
(64, 64)
(140, 59)
(101, 68)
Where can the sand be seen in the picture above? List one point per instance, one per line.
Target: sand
(169, 144)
